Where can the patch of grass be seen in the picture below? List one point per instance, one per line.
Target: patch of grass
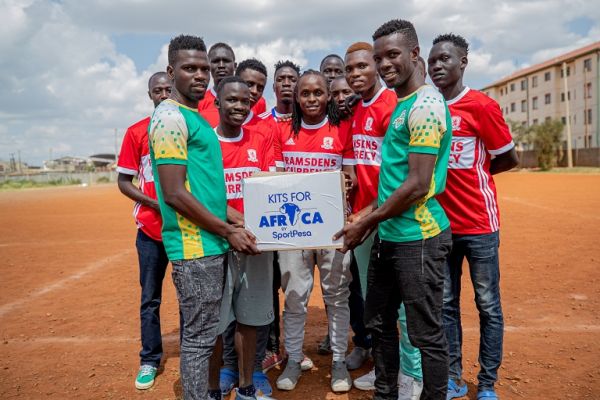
(563, 170)
(103, 179)
(28, 183)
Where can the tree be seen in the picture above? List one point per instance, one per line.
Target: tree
(521, 133)
(546, 142)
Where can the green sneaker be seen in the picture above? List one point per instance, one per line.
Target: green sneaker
(145, 377)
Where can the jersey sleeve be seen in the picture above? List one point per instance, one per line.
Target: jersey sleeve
(427, 125)
(130, 155)
(346, 135)
(168, 136)
(494, 131)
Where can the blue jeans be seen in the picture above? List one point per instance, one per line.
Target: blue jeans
(481, 252)
(153, 262)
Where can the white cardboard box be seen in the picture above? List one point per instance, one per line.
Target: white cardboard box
(289, 211)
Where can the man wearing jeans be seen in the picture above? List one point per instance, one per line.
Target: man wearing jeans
(187, 165)
(481, 147)
(134, 160)
(413, 239)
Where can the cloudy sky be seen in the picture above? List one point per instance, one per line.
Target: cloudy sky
(73, 71)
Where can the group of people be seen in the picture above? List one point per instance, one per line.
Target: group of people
(419, 162)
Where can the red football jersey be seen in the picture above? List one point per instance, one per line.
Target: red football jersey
(320, 147)
(478, 132)
(369, 124)
(250, 152)
(134, 159)
(260, 106)
(208, 101)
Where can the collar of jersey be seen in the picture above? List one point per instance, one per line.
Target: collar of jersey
(413, 93)
(248, 118)
(181, 105)
(230, 140)
(459, 96)
(315, 126)
(279, 115)
(212, 90)
(374, 99)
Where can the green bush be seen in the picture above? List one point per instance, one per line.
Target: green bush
(103, 179)
(546, 142)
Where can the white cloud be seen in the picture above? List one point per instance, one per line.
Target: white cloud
(67, 87)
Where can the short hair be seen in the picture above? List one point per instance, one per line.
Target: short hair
(156, 75)
(359, 46)
(456, 40)
(184, 42)
(287, 63)
(330, 56)
(401, 26)
(251, 63)
(226, 80)
(221, 45)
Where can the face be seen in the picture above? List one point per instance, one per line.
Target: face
(332, 67)
(159, 89)
(222, 63)
(313, 97)
(190, 75)
(340, 91)
(361, 73)
(285, 82)
(446, 64)
(234, 103)
(256, 82)
(395, 60)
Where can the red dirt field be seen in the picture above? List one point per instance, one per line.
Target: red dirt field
(69, 297)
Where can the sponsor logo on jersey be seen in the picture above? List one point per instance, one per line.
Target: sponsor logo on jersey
(369, 124)
(252, 155)
(456, 122)
(399, 121)
(327, 143)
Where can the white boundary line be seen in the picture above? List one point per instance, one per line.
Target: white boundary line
(92, 267)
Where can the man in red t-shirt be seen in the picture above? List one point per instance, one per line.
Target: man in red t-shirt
(481, 147)
(134, 161)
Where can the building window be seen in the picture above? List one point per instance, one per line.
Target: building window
(535, 121)
(547, 119)
(563, 120)
(547, 76)
(534, 81)
(524, 84)
(501, 91)
(506, 110)
(512, 87)
(587, 116)
(562, 96)
(513, 107)
(534, 103)
(588, 90)
(523, 105)
(587, 64)
(547, 98)
(562, 72)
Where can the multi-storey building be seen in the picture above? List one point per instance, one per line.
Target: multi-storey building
(564, 87)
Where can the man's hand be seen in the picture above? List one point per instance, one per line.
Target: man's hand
(243, 241)
(354, 234)
(235, 217)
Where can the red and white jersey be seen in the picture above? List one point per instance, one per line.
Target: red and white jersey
(208, 101)
(320, 147)
(250, 152)
(369, 124)
(134, 160)
(260, 106)
(478, 133)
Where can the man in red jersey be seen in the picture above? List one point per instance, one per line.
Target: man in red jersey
(246, 303)
(134, 160)
(481, 147)
(369, 125)
(332, 66)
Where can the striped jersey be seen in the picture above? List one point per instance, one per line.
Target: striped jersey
(479, 132)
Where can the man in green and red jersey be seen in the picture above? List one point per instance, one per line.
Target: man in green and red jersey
(369, 125)
(482, 146)
(413, 237)
(134, 161)
(187, 165)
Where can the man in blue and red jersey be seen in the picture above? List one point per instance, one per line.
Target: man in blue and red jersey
(481, 147)
(134, 161)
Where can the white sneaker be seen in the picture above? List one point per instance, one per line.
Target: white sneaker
(408, 387)
(306, 364)
(366, 382)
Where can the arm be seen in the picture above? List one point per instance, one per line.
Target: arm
(235, 217)
(504, 162)
(416, 186)
(126, 186)
(172, 179)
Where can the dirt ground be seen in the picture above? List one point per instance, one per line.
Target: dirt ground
(69, 296)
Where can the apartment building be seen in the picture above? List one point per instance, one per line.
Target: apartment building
(564, 87)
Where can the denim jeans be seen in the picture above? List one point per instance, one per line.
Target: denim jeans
(199, 284)
(481, 252)
(411, 273)
(153, 262)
